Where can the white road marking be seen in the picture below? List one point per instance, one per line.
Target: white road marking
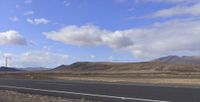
(84, 94)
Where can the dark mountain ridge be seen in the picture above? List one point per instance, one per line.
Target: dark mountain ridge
(163, 64)
(192, 60)
(8, 69)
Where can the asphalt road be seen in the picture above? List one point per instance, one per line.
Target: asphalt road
(110, 92)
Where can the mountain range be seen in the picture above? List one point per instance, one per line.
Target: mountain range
(8, 69)
(163, 64)
(195, 60)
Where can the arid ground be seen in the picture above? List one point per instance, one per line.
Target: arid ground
(11, 96)
(143, 72)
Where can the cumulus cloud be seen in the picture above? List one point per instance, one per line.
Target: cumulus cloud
(152, 41)
(85, 35)
(164, 38)
(11, 37)
(89, 35)
(117, 39)
(38, 58)
(37, 21)
(193, 10)
(179, 8)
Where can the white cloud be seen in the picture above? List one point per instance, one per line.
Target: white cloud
(89, 35)
(85, 35)
(147, 42)
(112, 59)
(117, 39)
(92, 56)
(37, 21)
(193, 10)
(164, 38)
(38, 58)
(14, 19)
(179, 8)
(29, 13)
(11, 37)
(27, 1)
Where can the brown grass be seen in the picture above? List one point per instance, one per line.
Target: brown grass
(167, 81)
(151, 78)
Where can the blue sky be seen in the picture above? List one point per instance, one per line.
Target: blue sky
(48, 33)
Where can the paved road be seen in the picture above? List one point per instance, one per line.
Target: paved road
(104, 91)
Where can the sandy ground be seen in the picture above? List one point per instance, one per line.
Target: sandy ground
(10, 96)
(172, 78)
(171, 81)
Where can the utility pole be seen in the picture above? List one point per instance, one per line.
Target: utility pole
(6, 63)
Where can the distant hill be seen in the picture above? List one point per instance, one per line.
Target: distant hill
(143, 67)
(61, 67)
(35, 69)
(180, 60)
(8, 69)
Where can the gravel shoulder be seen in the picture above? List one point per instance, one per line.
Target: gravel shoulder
(11, 96)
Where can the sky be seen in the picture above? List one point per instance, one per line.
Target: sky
(48, 33)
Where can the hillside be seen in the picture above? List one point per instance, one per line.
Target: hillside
(109, 67)
(35, 69)
(180, 60)
(8, 69)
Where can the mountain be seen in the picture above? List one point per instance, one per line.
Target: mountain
(8, 69)
(61, 67)
(141, 67)
(192, 60)
(89, 66)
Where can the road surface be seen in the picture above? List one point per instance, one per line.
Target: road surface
(111, 92)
